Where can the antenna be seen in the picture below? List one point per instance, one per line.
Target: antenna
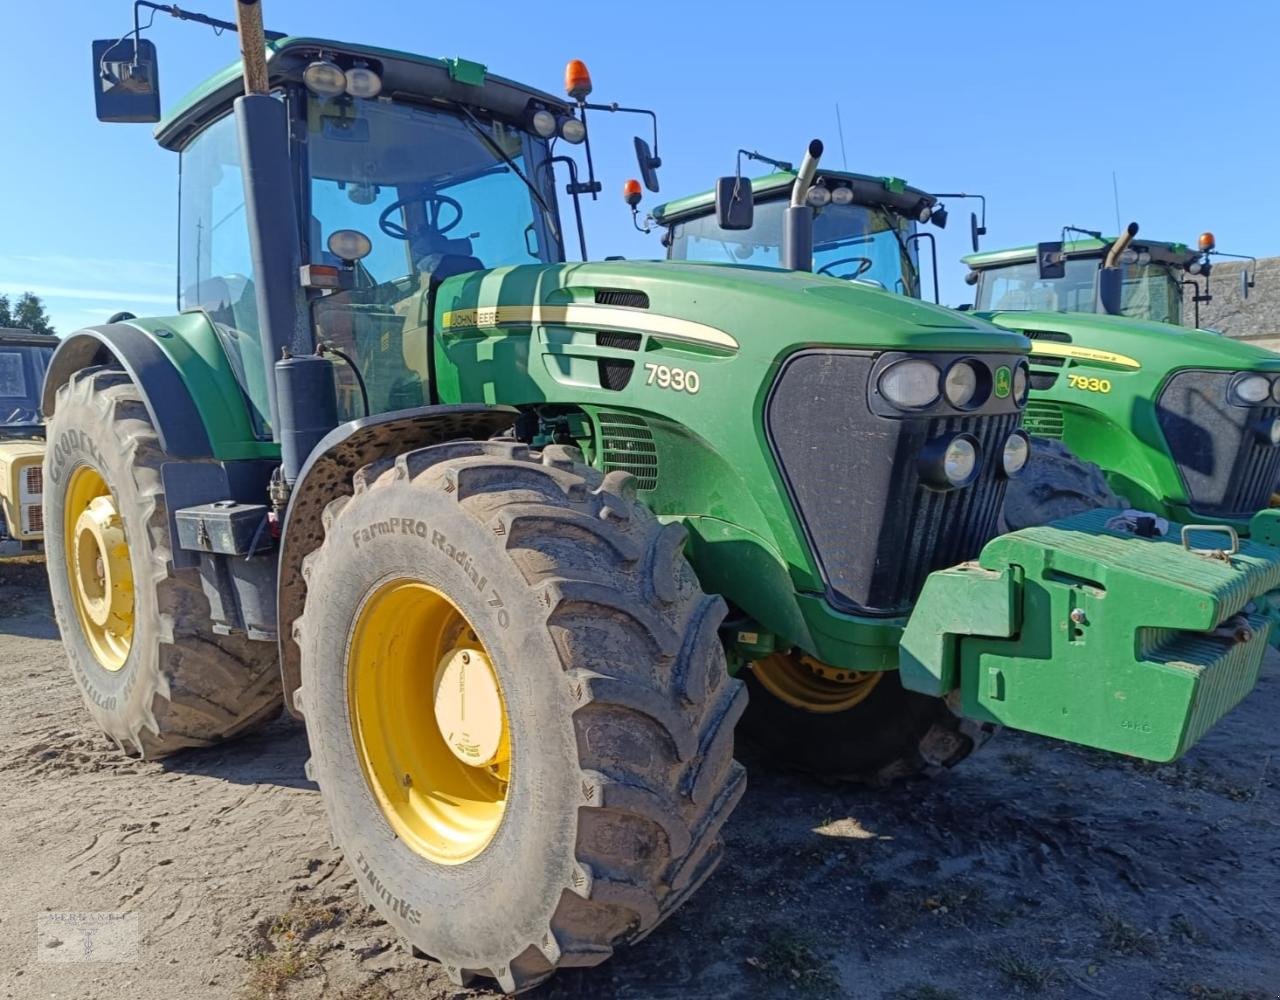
(840, 128)
(1115, 194)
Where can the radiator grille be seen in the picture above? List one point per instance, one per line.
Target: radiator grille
(1043, 418)
(875, 528)
(1226, 468)
(622, 297)
(33, 480)
(32, 519)
(626, 443)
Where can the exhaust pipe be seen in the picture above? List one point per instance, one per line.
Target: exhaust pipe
(797, 220)
(1121, 245)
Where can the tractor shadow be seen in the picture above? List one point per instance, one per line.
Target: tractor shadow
(25, 608)
(274, 755)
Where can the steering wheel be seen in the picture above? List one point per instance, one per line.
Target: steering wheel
(865, 265)
(434, 204)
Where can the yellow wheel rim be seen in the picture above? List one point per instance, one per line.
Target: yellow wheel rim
(98, 567)
(429, 721)
(811, 685)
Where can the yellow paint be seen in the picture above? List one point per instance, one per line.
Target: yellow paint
(1089, 384)
(1049, 349)
(16, 457)
(98, 567)
(429, 721)
(595, 317)
(808, 684)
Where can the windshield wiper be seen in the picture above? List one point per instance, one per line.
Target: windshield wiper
(501, 153)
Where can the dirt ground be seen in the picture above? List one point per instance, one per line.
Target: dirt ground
(1033, 869)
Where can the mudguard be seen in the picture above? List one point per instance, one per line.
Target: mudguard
(327, 475)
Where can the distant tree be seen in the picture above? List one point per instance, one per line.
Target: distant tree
(28, 314)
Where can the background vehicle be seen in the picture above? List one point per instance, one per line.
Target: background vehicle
(499, 594)
(1123, 410)
(24, 356)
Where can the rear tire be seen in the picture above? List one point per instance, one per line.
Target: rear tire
(891, 735)
(1055, 483)
(179, 684)
(618, 708)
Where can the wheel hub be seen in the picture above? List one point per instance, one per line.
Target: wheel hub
(98, 567)
(432, 741)
(807, 683)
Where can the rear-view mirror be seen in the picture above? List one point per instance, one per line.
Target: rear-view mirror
(975, 230)
(126, 80)
(1244, 283)
(735, 203)
(648, 164)
(1050, 261)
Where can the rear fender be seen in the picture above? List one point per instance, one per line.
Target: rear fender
(327, 475)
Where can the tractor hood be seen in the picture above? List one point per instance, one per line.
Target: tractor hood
(756, 311)
(1150, 344)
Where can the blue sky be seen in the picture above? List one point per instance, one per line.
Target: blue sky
(1032, 104)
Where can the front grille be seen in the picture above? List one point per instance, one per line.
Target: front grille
(33, 480)
(626, 443)
(1042, 418)
(875, 529)
(32, 519)
(1226, 469)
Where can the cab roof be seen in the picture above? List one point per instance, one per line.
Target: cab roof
(867, 190)
(26, 338)
(423, 77)
(1166, 253)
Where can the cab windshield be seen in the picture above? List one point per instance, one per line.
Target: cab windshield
(437, 194)
(22, 370)
(855, 242)
(1151, 291)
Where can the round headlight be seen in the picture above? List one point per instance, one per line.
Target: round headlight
(1017, 449)
(911, 384)
(960, 384)
(1249, 389)
(818, 196)
(1268, 431)
(573, 130)
(960, 460)
(1021, 381)
(1275, 390)
(325, 79)
(842, 196)
(544, 123)
(363, 82)
(349, 244)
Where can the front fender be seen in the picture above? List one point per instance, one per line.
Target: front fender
(327, 475)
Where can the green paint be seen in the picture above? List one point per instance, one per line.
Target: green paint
(1087, 635)
(1004, 379)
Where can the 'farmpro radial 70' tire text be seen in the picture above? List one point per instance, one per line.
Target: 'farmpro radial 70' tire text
(518, 707)
(138, 634)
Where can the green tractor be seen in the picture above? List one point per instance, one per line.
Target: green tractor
(513, 596)
(1126, 408)
(1182, 422)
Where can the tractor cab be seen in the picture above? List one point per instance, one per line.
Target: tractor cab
(865, 228)
(1068, 276)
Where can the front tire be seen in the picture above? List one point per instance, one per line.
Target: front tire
(845, 726)
(594, 808)
(1055, 483)
(153, 673)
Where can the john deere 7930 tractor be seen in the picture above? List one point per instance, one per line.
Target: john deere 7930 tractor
(1126, 407)
(511, 595)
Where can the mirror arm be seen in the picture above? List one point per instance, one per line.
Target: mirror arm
(573, 189)
(174, 11)
(933, 251)
(982, 227)
(1238, 256)
(1196, 297)
(615, 108)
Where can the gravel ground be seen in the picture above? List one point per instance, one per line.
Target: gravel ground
(1034, 869)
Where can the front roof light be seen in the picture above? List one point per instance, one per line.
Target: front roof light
(911, 384)
(818, 196)
(572, 130)
(544, 123)
(842, 196)
(1249, 389)
(325, 79)
(363, 82)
